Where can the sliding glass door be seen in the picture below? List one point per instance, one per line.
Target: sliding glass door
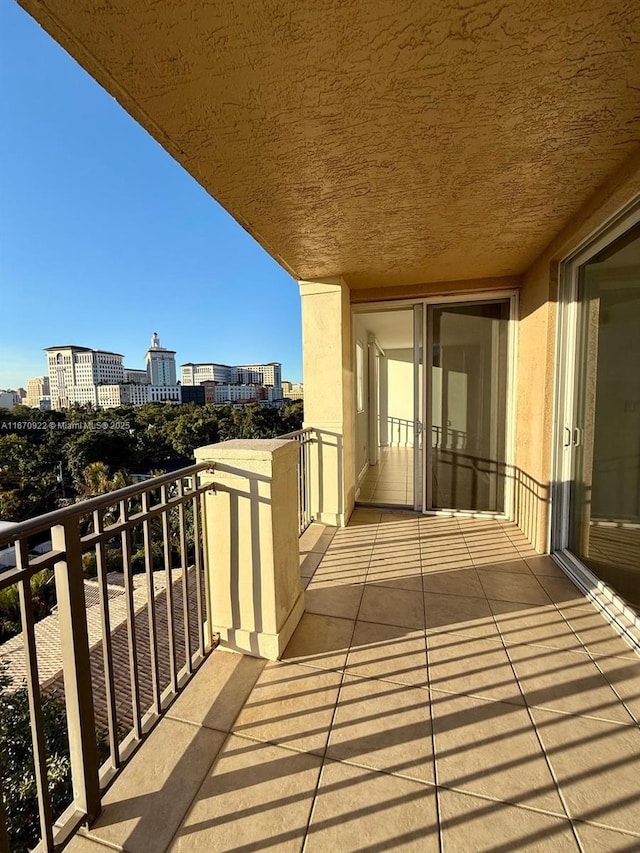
(599, 518)
(467, 393)
(431, 396)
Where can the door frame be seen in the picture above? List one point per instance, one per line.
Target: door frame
(565, 438)
(510, 294)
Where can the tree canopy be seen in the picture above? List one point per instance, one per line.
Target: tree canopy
(46, 456)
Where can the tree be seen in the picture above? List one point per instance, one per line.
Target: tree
(16, 761)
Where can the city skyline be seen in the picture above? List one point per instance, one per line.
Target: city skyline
(128, 364)
(106, 237)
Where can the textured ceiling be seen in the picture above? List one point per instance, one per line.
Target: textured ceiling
(389, 142)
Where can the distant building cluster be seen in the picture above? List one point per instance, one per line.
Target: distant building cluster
(82, 375)
(11, 398)
(235, 384)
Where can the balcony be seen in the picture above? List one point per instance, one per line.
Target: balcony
(447, 686)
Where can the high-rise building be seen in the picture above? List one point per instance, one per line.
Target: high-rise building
(83, 375)
(292, 390)
(76, 372)
(38, 393)
(161, 364)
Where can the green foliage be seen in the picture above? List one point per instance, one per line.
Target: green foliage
(16, 761)
(43, 596)
(158, 437)
(113, 562)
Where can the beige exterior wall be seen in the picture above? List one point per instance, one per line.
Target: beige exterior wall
(329, 404)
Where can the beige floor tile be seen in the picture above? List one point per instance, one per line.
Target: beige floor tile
(597, 765)
(510, 586)
(459, 614)
(471, 665)
(397, 580)
(144, 807)
(216, 694)
(491, 748)
(445, 564)
(337, 577)
(597, 636)
(384, 726)
(565, 681)
(290, 705)
(321, 641)
(518, 567)
(488, 557)
(472, 824)
(341, 600)
(392, 607)
(595, 839)
(388, 653)
(535, 625)
(562, 591)
(359, 809)
(257, 797)
(309, 562)
(543, 564)
(362, 516)
(395, 559)
(311, 537)
(623, 674)
(454, 582)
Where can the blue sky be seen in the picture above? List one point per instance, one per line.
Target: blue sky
(105, 239)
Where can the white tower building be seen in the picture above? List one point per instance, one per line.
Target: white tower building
(161, 364)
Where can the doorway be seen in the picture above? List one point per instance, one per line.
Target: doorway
(432, 393)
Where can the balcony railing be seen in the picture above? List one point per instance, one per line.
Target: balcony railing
(122, 661)
(305, 438)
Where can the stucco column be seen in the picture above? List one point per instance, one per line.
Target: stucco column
(327, 354)
(251, 528)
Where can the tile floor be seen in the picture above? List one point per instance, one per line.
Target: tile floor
(390, 482)
(447, 689)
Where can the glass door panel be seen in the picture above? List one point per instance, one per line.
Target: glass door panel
(604, 497)
(468, 405)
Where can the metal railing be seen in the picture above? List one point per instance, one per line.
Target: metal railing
(305, 438)
(122, 661)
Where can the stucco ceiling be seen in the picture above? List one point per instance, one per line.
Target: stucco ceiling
(391, 142)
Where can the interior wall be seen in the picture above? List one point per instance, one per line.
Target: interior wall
(396, 398)
(535, 372)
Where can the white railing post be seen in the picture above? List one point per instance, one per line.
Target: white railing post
(251, 529)
(76, 667)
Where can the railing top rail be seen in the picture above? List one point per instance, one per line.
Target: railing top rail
(58, 516)
(296, 433)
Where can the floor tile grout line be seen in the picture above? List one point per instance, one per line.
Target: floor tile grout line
(431, 719)
(335, 707)
(594, 660)
(538, 737)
